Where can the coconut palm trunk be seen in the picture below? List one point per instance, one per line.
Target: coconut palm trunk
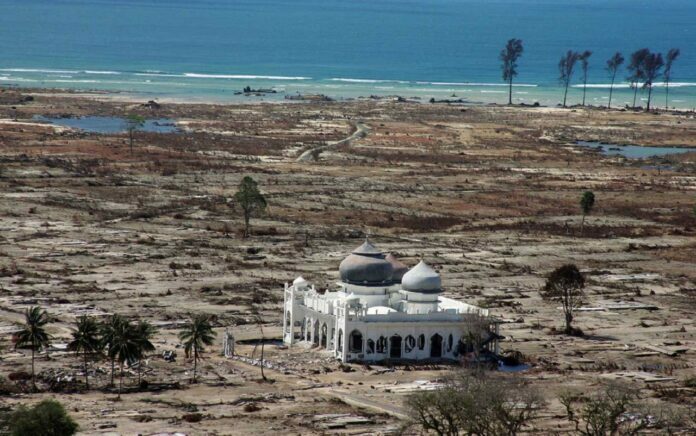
(120, 381)
(85, 370)
(195, 363)
(113, 369)
(611, 89)
(33, 378)
(510, 92)
(635, 94)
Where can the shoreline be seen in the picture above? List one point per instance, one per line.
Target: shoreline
(215, 89)
(126, 97)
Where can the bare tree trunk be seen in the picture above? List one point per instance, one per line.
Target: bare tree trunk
(510, 92)
(666, 94)
(647, 108)
(195, 363)
(611, 89)
(120, 381)
(33, 379)
(565, 94)
(568, 323)
(85, 369)
(635, 94)
(582, 225)
(247, 233)
(584, 90)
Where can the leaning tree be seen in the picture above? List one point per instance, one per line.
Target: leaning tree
(566, 67)
(509, 56)
(635, 70)
(613, 65)
(585, 64)
(250, 200)
(672, 56)
(652, 69)
(565, 285)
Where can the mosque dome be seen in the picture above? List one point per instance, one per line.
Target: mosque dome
(366, 265)
(398, 267)
(422, 278)
(300, 283)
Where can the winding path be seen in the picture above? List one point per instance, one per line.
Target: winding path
(360, 132)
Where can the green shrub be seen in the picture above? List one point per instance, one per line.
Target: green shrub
(47, 418)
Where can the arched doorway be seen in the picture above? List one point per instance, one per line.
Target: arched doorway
(436, 346)
(339, 344)
(395, 347)
(355, 342)
(324, 335)
(288, 322)
(315, 337)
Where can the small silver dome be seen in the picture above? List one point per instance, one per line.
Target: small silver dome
(422, 278)
(300, 283)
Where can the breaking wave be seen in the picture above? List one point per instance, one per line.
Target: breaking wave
(242, 76)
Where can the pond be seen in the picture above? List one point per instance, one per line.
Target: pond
(94, 124)
(633, 151)
(512, 368)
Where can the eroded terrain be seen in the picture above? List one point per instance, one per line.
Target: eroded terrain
(489, 195)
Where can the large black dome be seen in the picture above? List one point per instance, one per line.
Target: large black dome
(366, 265)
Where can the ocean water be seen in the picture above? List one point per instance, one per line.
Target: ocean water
(209, 49)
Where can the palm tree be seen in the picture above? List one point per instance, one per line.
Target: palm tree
(652, 69)
(613, 65)
(86, 340)
(33, 334)
(124, 347)
(509, 55)
(585, 63)
(566, 66)
(635, 68)
(672, 56)
(108, 331)
(144, 332)
(197, 333)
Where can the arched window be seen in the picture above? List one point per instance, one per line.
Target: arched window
(355, 342)
(382, 344)
(370, 346)
(409, 344)
(421, 342)
(450, 341)
(316, 333)
(323, 341)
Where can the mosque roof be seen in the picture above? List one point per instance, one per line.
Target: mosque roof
(422, 278)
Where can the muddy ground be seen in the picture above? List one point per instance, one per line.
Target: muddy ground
(489, 195)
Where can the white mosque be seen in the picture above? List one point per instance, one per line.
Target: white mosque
(382, 310)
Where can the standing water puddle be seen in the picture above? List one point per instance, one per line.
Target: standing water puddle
(110, 124)
(633, 151)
